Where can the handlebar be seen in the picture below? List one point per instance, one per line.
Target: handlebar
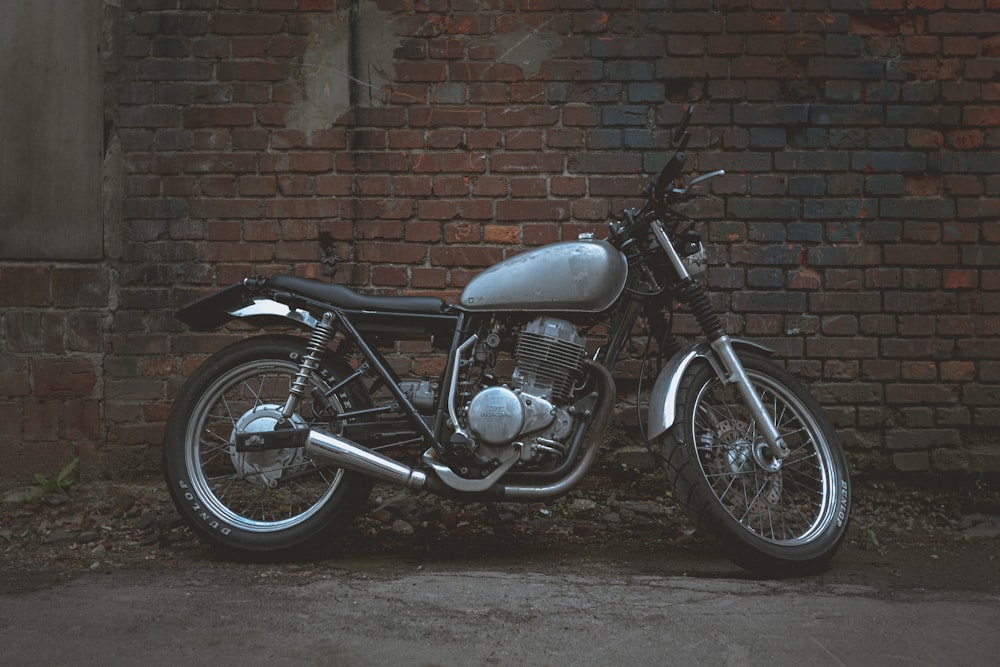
(672, 169)
(662, 189)
(682, 128)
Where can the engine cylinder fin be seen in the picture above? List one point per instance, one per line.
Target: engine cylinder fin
(550, 355)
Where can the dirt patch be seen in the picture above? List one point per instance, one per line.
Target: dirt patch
(934, 534)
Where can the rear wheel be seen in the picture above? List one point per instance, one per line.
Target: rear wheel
(269, 501)
(777, 517)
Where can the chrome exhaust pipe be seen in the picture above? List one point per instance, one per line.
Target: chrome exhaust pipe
(352, 456)
(602, 415)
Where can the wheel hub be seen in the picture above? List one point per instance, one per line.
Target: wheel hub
(762, 455)
(266, 467)
(736, 454)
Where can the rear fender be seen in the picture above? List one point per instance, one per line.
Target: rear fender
(233, 302)
(663, 399)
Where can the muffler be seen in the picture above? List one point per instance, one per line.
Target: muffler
(352, 456)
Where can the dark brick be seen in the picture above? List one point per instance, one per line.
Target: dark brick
(768, 302)
(839, 209)
(936, 208)
(757, 209)
(865, 132)
(887, 161)
(811, 161)
(865, 114)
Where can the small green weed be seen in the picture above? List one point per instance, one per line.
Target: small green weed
(869, 540)
(46, 485)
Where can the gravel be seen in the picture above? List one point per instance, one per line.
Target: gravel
(103, 526)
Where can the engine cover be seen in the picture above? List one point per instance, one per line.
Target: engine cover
(497, 415)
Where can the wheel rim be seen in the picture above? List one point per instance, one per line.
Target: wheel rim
(264, 491)
(788, 502)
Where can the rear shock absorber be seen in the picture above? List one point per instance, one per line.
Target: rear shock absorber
(696, 297)
(322, 334)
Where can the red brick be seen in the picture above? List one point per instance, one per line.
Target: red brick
(529, 187)
(465, 255)
(451, 186)
(412, 186)
(503, 234)
(218, 116)
(489, 186)
(331, 185)
(257, 185)
(987, 116)
(409, 72)
(532, 211)
(372, 162)
(448, 162)
(392, 253)
(80, 287)
(442, 116)
(390, 276)
(226, 23)
(527, 116)
(24, 285)
(451, 209)
(251, 71)
(526, 162)
(446, 139)
(82, 419)
(476, 24)
(429, 277)
(483, 139)
(380, 230)
(422, 232)
(310, 162)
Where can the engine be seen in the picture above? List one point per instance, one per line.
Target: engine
(549, 355)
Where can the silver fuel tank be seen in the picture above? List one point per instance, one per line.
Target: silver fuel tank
(583, 276)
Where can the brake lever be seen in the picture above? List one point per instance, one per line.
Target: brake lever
(680, 192)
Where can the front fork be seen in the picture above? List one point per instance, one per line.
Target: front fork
(731, 368)
(733, 372)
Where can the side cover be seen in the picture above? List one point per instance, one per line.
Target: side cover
(584, 276)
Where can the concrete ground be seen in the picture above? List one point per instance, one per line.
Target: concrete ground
(570, 608)
(109, 576)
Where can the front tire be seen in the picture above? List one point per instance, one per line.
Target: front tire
(272, 502)
(777, 518)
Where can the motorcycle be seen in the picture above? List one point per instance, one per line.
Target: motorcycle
(274, 443)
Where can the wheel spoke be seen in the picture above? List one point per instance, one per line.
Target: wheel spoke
(258, 489)
(783, 503)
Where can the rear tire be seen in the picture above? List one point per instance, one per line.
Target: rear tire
(781, 518)
(272, 502)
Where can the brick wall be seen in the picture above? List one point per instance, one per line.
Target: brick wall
(52, 323)
(857, 229)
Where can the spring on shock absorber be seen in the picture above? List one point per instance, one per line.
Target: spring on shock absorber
(321, 335)
(696, 297)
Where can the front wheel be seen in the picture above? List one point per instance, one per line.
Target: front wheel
(271, 501)
(775, 517)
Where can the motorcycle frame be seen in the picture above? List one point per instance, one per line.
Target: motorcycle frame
(253, 300)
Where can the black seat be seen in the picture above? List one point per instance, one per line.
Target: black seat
(345, 297)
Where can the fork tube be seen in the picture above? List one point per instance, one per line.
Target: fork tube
(723, 347)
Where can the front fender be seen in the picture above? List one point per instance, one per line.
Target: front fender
(663, 399)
